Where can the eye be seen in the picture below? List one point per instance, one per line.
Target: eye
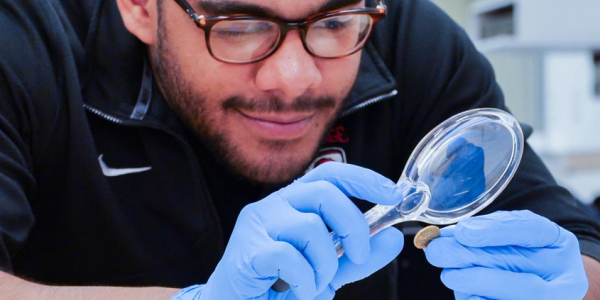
(242, 28)
(335, 23)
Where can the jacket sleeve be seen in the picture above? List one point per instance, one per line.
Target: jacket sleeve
(440, 73)
(26, 73)
(16, 177)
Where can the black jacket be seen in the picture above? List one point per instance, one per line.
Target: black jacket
(74, 86)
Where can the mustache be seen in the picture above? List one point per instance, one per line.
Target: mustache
(274, 104)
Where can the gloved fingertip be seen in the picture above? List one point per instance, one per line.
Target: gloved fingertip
(434, 253)
(361, 256)
(474, 231)
(448, 276)
(400, 189)
(397, 196)
(431, 251)
(391, 193)
(390, 239)
(327, 294)
(447, 231)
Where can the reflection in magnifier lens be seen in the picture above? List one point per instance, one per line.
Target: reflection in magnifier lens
(467, 166)
(459, 179)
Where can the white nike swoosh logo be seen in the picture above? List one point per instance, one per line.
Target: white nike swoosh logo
(112, 172)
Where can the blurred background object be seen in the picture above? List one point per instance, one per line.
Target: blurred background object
(546, 55)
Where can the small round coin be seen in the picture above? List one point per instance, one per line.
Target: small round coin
(426, 235)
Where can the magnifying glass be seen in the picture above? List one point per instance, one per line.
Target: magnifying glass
(457, 170)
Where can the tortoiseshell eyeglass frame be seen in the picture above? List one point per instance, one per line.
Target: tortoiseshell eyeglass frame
(207, 23)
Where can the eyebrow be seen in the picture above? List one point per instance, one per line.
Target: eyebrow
(228, 7)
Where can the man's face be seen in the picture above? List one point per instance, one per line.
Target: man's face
(264, 119)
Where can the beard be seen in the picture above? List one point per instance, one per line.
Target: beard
(279, 162)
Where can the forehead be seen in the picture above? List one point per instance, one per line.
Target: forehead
(282, 9)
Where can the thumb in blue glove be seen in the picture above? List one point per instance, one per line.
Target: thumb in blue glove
(385, 246)
(509, 255)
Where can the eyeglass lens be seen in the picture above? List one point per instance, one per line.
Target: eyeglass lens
(339, 35)
(249, 40)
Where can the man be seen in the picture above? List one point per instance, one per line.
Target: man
(132, 137)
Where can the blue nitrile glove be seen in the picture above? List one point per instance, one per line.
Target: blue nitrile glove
(285, 235)
(509, 255)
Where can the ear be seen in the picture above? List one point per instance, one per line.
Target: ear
(140, 18)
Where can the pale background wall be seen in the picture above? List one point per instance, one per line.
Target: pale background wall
(553, 90)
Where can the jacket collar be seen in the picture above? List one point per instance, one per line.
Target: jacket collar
(119, 82)
(373, 79)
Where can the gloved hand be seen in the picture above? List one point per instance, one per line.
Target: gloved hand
(509, 255)
(285, 235)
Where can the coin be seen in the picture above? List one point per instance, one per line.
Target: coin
(426, 235)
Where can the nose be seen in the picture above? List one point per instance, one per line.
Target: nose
(290, 71)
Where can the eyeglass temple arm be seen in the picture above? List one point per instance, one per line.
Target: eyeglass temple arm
(194, 16)
(189, 10)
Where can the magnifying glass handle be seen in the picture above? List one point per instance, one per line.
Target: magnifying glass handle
(379, 218)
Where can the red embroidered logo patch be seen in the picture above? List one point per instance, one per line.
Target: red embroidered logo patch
(336, 135)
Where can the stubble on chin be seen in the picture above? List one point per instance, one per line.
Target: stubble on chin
(272, 162)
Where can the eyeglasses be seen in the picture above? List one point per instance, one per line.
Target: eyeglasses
(243, 39)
